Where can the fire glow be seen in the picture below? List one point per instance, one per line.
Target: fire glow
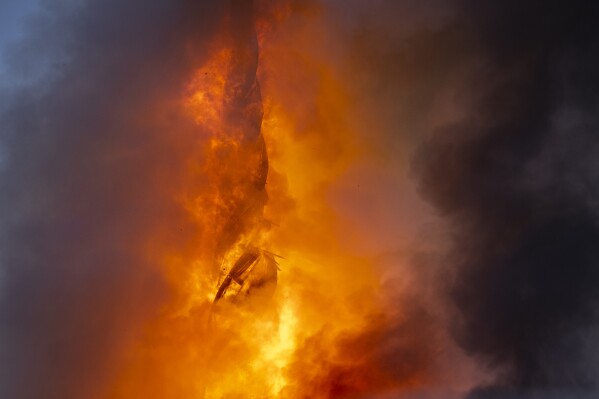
(276, 345)
(228, 334)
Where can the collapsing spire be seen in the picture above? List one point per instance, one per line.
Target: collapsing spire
(242, 121)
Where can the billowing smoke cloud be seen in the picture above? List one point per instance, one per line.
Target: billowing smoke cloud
(516, 178)
(91, 156)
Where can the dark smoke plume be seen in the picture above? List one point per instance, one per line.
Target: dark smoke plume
(91, 156)
(517, 178)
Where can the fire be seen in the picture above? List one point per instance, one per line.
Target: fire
(273, 344)
(206, 92)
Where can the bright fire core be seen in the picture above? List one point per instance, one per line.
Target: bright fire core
(241, 337)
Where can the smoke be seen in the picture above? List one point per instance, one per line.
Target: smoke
(92, 154)
(514, 177)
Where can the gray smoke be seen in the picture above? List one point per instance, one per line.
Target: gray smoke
(517, 180)
(88, 172)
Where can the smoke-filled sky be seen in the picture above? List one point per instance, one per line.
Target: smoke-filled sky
(433, 188)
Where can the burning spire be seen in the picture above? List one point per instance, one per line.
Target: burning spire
(240, 151)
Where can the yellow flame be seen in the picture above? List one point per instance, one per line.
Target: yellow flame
(194, 350)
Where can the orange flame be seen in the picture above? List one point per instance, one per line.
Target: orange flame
(306, 340)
